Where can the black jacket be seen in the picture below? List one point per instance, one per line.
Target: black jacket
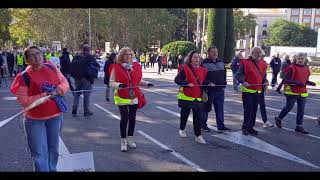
(10, 59)
(275, 64)
(65, 63)
(217, 73)
(107, 64)
(79, 64)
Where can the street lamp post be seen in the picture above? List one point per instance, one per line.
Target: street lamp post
(203, 26)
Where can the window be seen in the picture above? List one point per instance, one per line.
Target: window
(307, 11)
(264, 23)
(318, 11)
(295, 19)
(264, 33)
(295, 12)
(317, 20)
(306, 20)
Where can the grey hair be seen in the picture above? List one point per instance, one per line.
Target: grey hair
(254, 48)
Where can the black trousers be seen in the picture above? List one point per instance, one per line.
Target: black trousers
(184, 114)
(250, 106)
(128, 113)
(159, 67)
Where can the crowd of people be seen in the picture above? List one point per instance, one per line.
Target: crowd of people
(201, 84)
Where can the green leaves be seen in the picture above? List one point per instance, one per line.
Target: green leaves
(285, 33)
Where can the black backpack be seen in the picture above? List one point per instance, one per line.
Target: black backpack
(77, 67)
(92, 69)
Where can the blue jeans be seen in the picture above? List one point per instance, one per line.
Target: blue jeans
(235, 81)
(82, 84)
(43, 142)
(217, 99)
(291, 99)
(262, 104)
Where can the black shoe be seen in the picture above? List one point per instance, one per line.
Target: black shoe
(88, 113)
(107, 99)
(206, 129)
(245, 132)
(301, 130)
(278, 122)
(252, 131)
(74, 112)
(224, 129)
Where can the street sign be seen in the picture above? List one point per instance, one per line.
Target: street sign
(107, 47)
(56, 45)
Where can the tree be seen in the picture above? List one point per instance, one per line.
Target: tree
(286, 33)
(5, 19)
(230, 43)
(220, 30)
(210, 27)
(243, 24)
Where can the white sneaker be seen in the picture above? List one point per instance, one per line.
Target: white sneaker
(200, 140)
(267, 124)
(130, 142)
(182, 133)
(123, 144)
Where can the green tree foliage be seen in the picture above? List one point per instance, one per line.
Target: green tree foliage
(286, 33)
(243, 24)
(229, 42)
(220, 30)
(5, 19)
(136, 28)
(210, 27)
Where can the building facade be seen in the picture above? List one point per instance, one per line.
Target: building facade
(308, 16)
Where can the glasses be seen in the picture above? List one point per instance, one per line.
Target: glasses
(127, 54)
(33, 56)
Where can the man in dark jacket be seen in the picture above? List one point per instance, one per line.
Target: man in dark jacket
(10, 59)
(275, 65)
(159, 60)
(65, 67)
(106, 79)
(234, 67)
(79, 71)
(217, 74)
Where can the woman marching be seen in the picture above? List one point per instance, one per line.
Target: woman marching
(43, 122)
(126, 77)
(190, 77)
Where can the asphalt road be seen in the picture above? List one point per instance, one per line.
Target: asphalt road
(159, 147)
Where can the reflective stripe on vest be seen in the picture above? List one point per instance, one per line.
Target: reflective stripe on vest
(289, 92)
(120, 101)
(244, 89)
(182, 96)
(20, 60)
(48, 56)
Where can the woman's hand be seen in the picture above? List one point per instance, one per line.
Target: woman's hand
(191, 85)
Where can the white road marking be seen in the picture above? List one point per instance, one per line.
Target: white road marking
(9, 98)
(107, 111)
(257, 144)
(278, 110)
(179, 156)
(76, 162)
(249, 141)
(173, 152)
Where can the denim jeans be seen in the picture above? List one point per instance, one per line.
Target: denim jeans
(250, 106)
(262, 104)
(216, 98)
(274, 78)
(291, 99)
(235, 82)
(82, 84)
(43, 142)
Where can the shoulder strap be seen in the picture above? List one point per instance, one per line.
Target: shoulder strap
(50, 66)
(26, 78)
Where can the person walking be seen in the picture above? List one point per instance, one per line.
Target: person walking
(106, 69)
(143, 60)
(159, 60)
(252, 76)
(65, 67)
(153, 59)
(217, 74)
(126, 77)
(42, 123)
(298, 73)
(190, 77)
(148, 59)
(275, 65)
(79, 70)
(164, 62)
(235, 67)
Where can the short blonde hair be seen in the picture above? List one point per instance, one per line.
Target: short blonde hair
(119, 58)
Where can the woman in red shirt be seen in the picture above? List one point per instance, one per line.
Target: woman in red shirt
(43, 122)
